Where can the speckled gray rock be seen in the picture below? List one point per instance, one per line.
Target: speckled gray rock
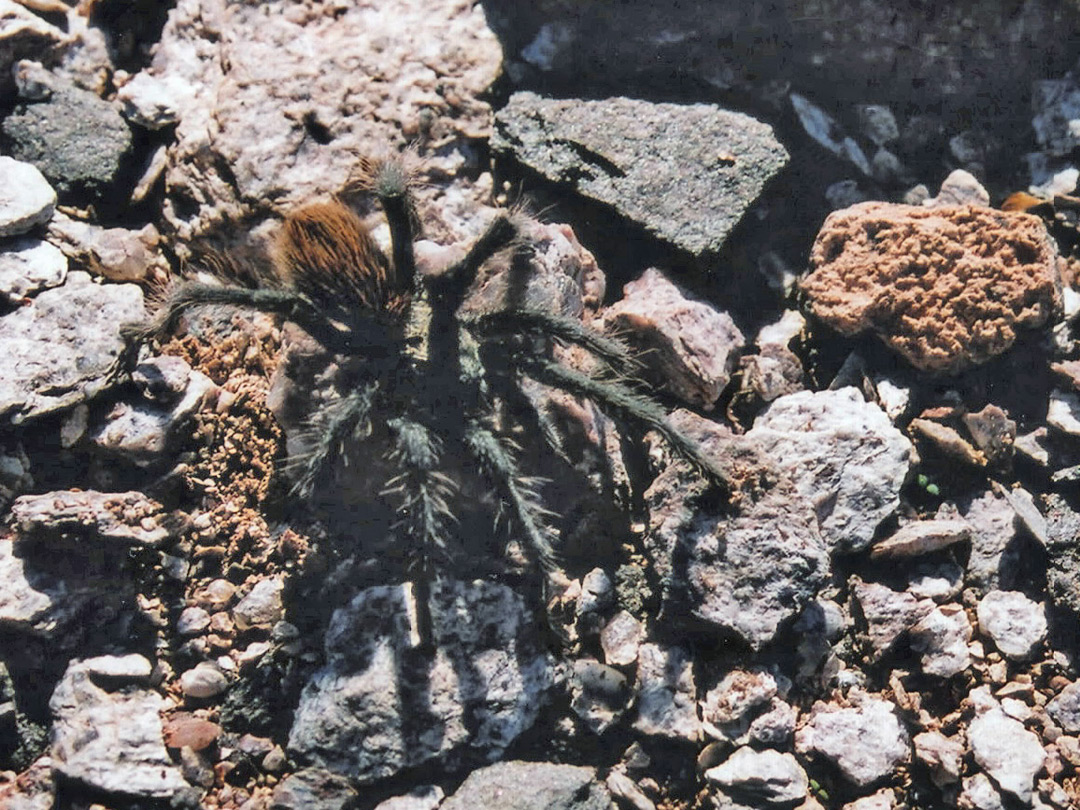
(110, 740)
(766, 776)
(996, 546)
(686, 172)
(26, 198)
(941, 637)
(29, 266)
(688, 346)
(380, 704)
(1063, 553)
(843, 455)
(1065, 708)
(1016, 624)
(58, 351)
(866, 741)
(530, 786)
(261, 607)
(1056, 104)
(77, 140)
(620, 639)
(888, 614)
(599, 694)
(666, 694)
(1010, 754)
(313, 789)
(105, 518)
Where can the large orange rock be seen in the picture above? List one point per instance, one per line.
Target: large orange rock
(947, 287)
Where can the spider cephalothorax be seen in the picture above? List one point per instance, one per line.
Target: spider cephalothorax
(431, 372)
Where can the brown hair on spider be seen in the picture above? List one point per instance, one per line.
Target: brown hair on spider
(325, 252)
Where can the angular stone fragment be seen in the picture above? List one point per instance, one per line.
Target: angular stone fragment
(922, 537)
(380, 704)
(944, 756)
(29, 266)
(621, 638)
(1016, 624)
(530, 786)
(26, 198)
(59, 349)
(599, 694)
(686, 172)
(689, 346)
(1010, 754)
(110, 740)
(888, 613)
(942, 638)
(767, 776)
(866, 742)
(844, 456)
(667, 696)
(126, 518)
(946, 287)
(314, 789)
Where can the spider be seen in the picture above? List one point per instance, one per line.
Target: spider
(432, 375)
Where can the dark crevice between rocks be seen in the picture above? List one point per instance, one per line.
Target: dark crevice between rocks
(133, 28)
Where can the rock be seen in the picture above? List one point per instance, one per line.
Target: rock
(944, 756)
(184, 730)
(110, 740)
(1063, 412)
(153, 102)
(942, 637)
(144, 432)
(621, 638)
(959, 188)
(947, 287)
(27, 199)
(844, 456)
(119, 254)
(738, 694)
(624, 788)
(996, 547)
(993, 431)
(118, 669)
(922, 537)
(1016, 624)
(767, 776)
(1010, 754)
(262, 606)
(979, 793)
(1065, 708)
(425, 797)
(599, 694)
(481, 688)
(15, 474)
(22, 34)
(888, 613)
(265, 121)
(530, 786)
(597, 592)
(824, 129)
(34, 788)
(313, 789)
(1056, 104)
(686, 345)
(122, 518)
(947, 442)
(1063, 553)
(866, 741)
(686, 173)
(77, 140)
(877, 123)
(29, 266)
(940, 581)
(884, 799)
(203, 681)
(59, 349)
(666, 694)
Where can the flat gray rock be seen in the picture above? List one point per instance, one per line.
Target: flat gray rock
(59, 349)
(530, 786)
(104, 518)
(382, 704)
(111, 740)
(767, 776)
(26, 198)
(686, 172)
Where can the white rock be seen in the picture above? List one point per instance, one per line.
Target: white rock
(942, 637)
(133, 667)
(667, 696)
(921, 537)
(1003, 748)
(944, 756)
(866, 741)
(1063, 412)
(28, 266)
(979, 793)
(26, 198)
(425, 797)
(621, 638)
(111, 741)
(843, 454)
(262, 606)
(884, 799)
(824, 129)
(1016, 624)
(203, 681)
(154, 102)
(960, 188)
(1065, 708)
(192, 621)
(769, 776)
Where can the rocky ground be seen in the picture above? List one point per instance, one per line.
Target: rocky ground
(833, 283)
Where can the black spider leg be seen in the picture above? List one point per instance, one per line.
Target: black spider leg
(627, 404)
(334, 435)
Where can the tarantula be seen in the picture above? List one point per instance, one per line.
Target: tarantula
(431, 375)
